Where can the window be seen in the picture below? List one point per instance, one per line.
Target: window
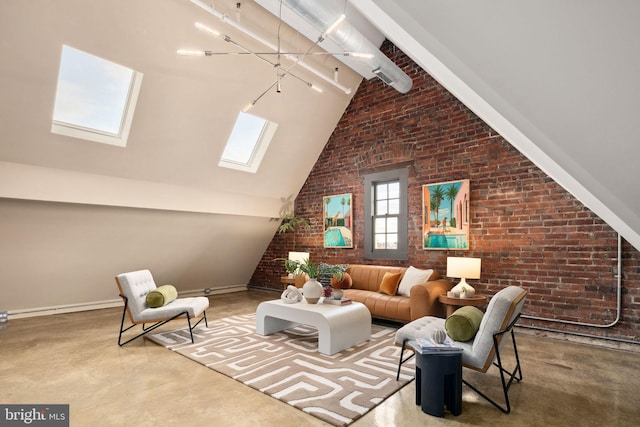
(386, 210)
(386, 222)
(95, 98)
(248, 143)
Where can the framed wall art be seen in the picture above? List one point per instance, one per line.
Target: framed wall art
(445, 215)
(338, 221)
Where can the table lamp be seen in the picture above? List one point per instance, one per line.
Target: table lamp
(463, 268)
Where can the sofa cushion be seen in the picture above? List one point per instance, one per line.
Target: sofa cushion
(413, 276)
(382, 306)
(368, 277)
(464, 323)
(162, 295)
(390, 282)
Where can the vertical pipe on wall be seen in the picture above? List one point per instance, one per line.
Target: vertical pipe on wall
(593, 325)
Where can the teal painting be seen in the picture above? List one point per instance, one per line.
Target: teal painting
(445, 215)
(338, 221)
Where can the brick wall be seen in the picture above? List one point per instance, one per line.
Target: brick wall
(527, 229)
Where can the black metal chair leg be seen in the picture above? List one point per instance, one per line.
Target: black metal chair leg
(516, 374)
(190, 328)
(401, 361)
(146, 330)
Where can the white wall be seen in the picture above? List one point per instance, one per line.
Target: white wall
(60, 254)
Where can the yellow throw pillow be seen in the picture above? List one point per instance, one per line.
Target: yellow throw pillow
(389, 284)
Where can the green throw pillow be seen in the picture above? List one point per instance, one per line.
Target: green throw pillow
(161, 295)
(463, 324)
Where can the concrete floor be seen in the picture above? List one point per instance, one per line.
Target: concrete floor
(74, 359)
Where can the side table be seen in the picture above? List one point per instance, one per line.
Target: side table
(297, 281)
(439, 382)
(452, 303)
(286, 281)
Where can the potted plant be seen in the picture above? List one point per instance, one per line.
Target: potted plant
(293, 271)
(290, 265)
(290, 223)
(312, 289)
(339, 280)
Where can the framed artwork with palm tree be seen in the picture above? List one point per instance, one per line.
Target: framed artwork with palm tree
(445, 215)
(338, 221)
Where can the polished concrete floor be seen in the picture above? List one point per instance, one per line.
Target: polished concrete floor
(74, 359)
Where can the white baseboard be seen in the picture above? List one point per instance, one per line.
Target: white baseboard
(66, 308)
(97, 305)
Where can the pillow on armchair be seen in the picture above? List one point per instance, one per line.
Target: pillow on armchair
(162, 295)
(464, 323)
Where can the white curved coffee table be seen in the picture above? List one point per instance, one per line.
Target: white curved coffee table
(339, 327)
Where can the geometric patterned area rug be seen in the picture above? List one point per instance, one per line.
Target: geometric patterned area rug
(286, 365)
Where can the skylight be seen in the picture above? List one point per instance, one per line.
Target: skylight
(95, 98)
(248, 143)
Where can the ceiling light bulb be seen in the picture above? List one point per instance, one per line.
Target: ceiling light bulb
(316, 88)
(360, 55)
(187, 52)
(248, 107)
(206, 29)
(333, 26)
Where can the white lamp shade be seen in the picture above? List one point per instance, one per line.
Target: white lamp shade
(463, 268)
(301, 257)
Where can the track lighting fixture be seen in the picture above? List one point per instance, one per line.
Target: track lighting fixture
(295, 57)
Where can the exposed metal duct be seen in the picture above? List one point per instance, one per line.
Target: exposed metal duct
(350, 39)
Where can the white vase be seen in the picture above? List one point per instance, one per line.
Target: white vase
(312, 291)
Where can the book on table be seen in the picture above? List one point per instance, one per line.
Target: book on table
(427, 345)
(341, 301)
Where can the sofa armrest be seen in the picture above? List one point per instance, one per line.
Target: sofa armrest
(424, 298)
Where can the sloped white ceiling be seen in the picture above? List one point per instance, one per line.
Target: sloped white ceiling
(185, 112)
(558, 79)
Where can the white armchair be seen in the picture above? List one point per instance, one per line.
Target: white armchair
(134, 288)
(483, 351)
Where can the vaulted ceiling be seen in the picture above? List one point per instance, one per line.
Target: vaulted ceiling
(557, 79)
(184, 115)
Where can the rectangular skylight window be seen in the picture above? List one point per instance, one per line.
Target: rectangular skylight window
(95, 98)
(248, 143)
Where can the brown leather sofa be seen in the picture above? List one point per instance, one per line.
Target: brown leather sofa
(422, 300)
